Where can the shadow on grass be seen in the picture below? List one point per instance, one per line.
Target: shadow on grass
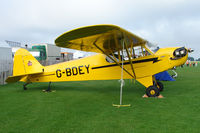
(105, 86)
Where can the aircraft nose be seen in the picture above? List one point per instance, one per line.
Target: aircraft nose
(179, 52)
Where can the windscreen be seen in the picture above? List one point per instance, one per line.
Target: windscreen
(152, 46)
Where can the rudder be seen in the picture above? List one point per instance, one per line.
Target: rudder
(25, 63)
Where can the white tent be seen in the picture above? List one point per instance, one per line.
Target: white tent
(6, 61)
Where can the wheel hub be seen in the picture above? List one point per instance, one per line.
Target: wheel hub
(152, 92)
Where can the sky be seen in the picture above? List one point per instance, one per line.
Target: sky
(168, 23)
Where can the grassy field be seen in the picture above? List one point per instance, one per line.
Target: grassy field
(86, 107)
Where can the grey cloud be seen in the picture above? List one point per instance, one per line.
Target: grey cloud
(168, 23)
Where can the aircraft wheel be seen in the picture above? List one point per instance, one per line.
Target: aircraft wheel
(160, 86)
(152, 91)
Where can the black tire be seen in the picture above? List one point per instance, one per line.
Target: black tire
(160, 86)
(152, 91)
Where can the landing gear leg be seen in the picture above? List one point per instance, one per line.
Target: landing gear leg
(49, 88)
(160, 86)
(24, 86)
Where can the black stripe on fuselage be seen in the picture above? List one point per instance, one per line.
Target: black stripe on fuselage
(49, 74)
(133, 62)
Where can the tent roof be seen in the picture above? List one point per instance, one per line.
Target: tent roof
(4, 44)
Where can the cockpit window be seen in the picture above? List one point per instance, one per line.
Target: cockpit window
(153, 47)
(135, 52)
(114, 56)
(109, 60)
(140, 51)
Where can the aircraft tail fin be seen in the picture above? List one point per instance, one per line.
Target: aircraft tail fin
(24, 64)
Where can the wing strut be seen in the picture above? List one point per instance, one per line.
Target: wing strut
(129, 57)
(113, 59)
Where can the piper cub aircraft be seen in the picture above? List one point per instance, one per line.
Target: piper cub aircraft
(118, 51)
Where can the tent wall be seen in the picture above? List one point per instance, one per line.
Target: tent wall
(6, 63)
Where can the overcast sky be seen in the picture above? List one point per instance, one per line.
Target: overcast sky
(165, 22)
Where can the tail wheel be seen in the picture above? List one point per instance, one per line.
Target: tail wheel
(152, 91)
(25, 88)
(160, 86)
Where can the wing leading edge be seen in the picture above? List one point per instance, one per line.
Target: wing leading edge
(105, 39)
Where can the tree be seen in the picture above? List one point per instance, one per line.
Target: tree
(198, 59)
(191, 58)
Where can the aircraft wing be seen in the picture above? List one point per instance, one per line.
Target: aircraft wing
(105, 39)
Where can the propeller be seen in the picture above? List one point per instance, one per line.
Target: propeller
(190, 50)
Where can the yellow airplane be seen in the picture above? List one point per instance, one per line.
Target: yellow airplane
(118, 51)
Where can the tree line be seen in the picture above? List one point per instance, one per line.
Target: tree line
(192, 59)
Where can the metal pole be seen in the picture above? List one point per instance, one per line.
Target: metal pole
(122, 81)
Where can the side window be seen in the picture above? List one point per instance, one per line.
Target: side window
(139, 51)
(115, 57)
(136, 52)
(109, 60)
(146, 53)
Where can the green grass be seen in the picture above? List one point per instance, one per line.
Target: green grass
(86, 107)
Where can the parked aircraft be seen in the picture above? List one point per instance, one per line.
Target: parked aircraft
(117, 49)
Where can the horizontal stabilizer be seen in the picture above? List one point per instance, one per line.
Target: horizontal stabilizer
(12, 79)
